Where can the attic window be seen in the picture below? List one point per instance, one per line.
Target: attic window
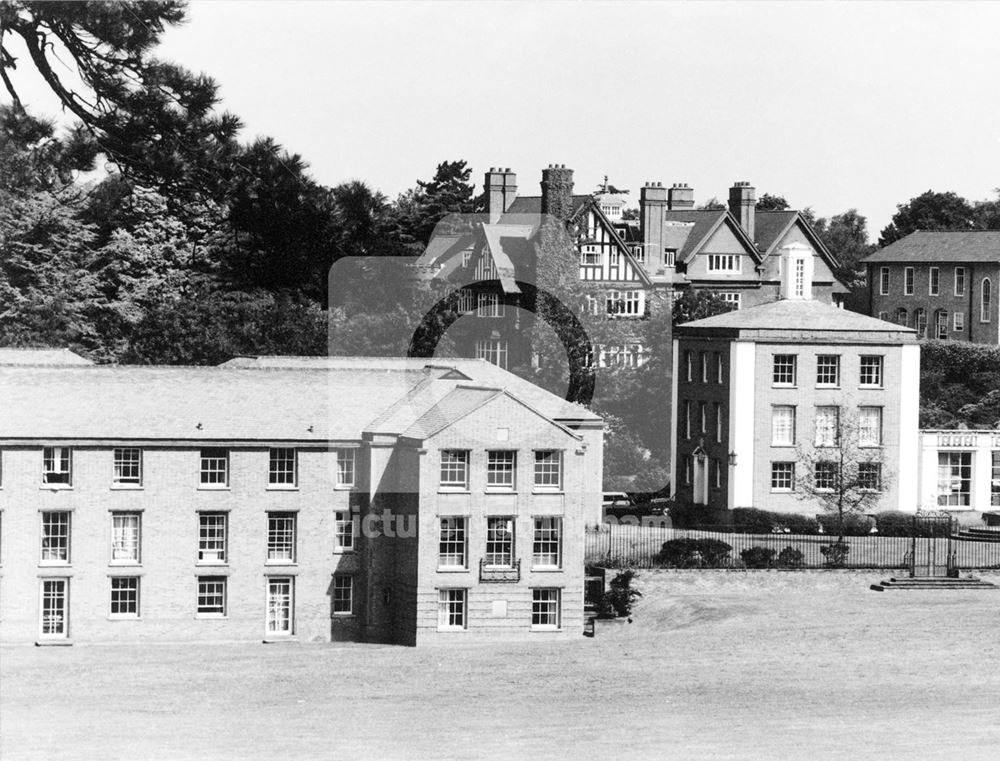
(723, 263)
(590, 254)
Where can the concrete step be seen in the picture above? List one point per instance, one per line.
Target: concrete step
(933, 582)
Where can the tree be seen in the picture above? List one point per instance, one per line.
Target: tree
(844, 473)
(929, 211)
(419, 210)
(696, 304)
(712, 204)
(768, 202)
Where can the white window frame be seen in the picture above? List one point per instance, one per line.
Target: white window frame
(213, 537)
(127, 595)
(883, 281)
(704, 367)
(959, 281)
(827, 422)
(827, 365)
(780, 367)
(493, 350)
(725, 263)
(501, 470)
(625, 303)
(57, 467)
(126, 467)
(639, 253)
(213, 468)
(56, 537)
(732, 297)
(59, 628)
(343, 594)
(546, 609)
(875, 371)
(126, 537)
(282, 537)
(718, 421)
(209, 589)
(920, 321)
(282, 468)
(934, 281)
(453, 609)
(489, 305)
(908, 281)
(347, 467)
(499, 542)
(548, 470)
(279, 606)
(958, 322)
(877, 467)
(590, 254)
(783, 425)
(465, 299)
(954, 468)
(546, 542)
(985, 300)
(870, 426)
(453, 542)
(781, 473)
(825, 481)
(719, 371)
(343, 531)
(454, 470)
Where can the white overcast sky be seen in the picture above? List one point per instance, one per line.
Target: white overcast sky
(832, 105)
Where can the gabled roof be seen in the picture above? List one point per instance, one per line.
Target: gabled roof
(770, 228)
(796, 314)
(592, 205)
(705, 223)
(942, 246)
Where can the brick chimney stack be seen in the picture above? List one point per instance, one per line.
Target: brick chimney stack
(680, 197)
(652, 204)
(501, 190)
(742, 205)
(557, 191)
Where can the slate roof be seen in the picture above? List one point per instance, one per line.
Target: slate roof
(9, 356)
(703, 222)
(941, 246)
(794, 314)
(293, 399)
(770, 225)
(533, 204)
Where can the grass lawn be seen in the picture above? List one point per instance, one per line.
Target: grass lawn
(717, 665)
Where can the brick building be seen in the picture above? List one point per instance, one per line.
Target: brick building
(281, 498)
(942, 284)
(757, 387)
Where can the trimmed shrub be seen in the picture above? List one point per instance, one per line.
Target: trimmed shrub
(694, 553)
(758, 557)
(854, 525)
(835, 554)
(790, 557)
(750, 520)
(799, 524)
(620, 598)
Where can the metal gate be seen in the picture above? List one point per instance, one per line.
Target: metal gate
(931, 553)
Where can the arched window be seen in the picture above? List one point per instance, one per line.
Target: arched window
(920, 322)
(986, 296)
(901, 317)
(941, 324)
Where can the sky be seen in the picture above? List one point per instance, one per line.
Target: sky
(831, 105)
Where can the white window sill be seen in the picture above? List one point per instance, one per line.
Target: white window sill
(52, 564)
(281, 563)
(828, 386)
(454, 490)
(123, 617)
(212, 564)
(539, 629)
(499, 490)
(281, 487)
(546, 569)
(210, 487)
(782, 491)
(53, 642)
(452, 569)
(56, 487)
(344, 551)
(452, 629)
(275, 638)
(126, 487)
(783, 385)
(344, 487)
(343, 616)
(210, 616)
(124, 564)
(547, 491)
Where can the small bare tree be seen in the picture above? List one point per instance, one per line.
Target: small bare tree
(842, 468)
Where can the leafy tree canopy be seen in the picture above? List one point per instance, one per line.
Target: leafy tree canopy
(768, 202)
(929, 211)
(696, 304)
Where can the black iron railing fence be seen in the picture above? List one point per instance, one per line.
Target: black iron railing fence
(618, 545)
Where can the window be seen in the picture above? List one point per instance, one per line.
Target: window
(883, 316)
(934, 281)
(343, 594)
(281, 468)
(687, 463)
(984, 301)
(669, 256)
(784, 370)
(908, 281)
(125, 597)
(920, 322)
(800, 278)
(499, 542)
(884, 281)
(212, 596)
(827, 426)
(716, 471)
(451, 609)
(280, 604)
(546, 548)
(452, 543)
(825, 476)
(901, 317)
(591, 305)
(465, 300)
(689, 365)
(545, 608)
(736, 299)
(723, 263)
(343, 531)
(454, 469)
(501, 470)
(125, 537)
(127, 466)
(941, 324)
(959, 281)
(346, 462)
(704, 367)
(625, 303)
(493, 350)
(56, 466)
(870, 426)
(718, 367)
(55, 537)
(718, 421)
(871, 370)
(782, 476)
(281, 537)
(489, 305)
(703, 417)
(615, 256)
(548, 469)
(211, 537)
(590, 254)
(954, 479)
(828, 370)
(214, 468)
(783, 425)
(687, 418)
(995, 479)
(870, 476)
(958, 322)
(55, 608)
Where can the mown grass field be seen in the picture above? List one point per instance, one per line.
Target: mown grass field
(717, 665)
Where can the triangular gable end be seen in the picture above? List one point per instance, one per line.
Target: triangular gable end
(624, 250)
(728, 219)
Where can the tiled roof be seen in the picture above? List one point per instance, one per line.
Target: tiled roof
(769, 225)
(451, 408)
(703, 222)
(793, 314)
(9, 356)
(249, 399)
(938, 246)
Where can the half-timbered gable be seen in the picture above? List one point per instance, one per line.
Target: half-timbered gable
(604, 255)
